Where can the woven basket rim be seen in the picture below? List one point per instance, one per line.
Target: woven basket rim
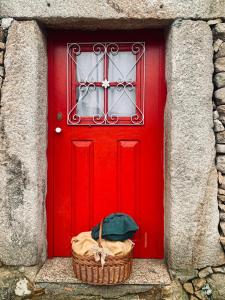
(91, 257)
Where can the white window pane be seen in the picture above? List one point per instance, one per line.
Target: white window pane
(90, 102)
(121, 102)
(122, 66)
(90, 67)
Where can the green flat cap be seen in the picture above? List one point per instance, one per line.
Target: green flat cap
(116, 227)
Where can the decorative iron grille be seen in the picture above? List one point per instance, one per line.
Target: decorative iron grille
(106, 83)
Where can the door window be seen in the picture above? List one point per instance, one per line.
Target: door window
(106, 83)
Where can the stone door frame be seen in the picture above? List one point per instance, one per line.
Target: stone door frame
(191, 212)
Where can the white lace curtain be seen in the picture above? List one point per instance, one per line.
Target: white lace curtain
(121, 68)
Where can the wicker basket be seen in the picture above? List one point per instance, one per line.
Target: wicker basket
(116, 269)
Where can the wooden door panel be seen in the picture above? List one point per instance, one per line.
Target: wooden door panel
(96, 170)
(128, 176)
(82, 158)
(105, 177)
(61, 195)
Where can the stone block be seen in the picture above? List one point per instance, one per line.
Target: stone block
(150, 280)
(188, 287)
(220, 64)
(222, 217)
(184, 275)
(191, 237)
(112, 13)
(222, 227)
(219, 269)
(219, 80)
(215, 115)
(2, 71)
(198, 283)
(220, 148)
(221, 192)
(23, 175)
(216, 282)
(220, 178)
(1, 57)
(219, 96)
(2, 35)
(220, 137)
(221, 51)
(222, 240)
(6, 22)
(222, 207)
(214, 22)
(221, 198)
(200, 295)
(217, 44)
(2, 46)
(221, 111)
(219, 31)
(205, 272)
(218, 126)
(221, 163)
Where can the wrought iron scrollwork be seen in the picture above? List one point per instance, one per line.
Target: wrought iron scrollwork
(105, 51)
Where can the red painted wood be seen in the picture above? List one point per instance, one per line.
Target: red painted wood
(82, 179)
(97, 170)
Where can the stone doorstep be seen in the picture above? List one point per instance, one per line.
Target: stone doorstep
(57, 277)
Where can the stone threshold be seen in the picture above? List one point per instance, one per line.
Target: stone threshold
(56, 277)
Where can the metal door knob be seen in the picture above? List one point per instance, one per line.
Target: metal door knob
(58, 130)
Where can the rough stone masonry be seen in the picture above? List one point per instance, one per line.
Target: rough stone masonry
(191, 212)
(219, 118)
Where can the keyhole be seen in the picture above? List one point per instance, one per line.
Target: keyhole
(59, 116)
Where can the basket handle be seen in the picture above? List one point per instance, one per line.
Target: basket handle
(100, 233)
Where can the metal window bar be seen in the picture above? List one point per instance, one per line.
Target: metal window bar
(86, 86)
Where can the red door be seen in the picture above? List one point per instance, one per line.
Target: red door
(105, 151)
